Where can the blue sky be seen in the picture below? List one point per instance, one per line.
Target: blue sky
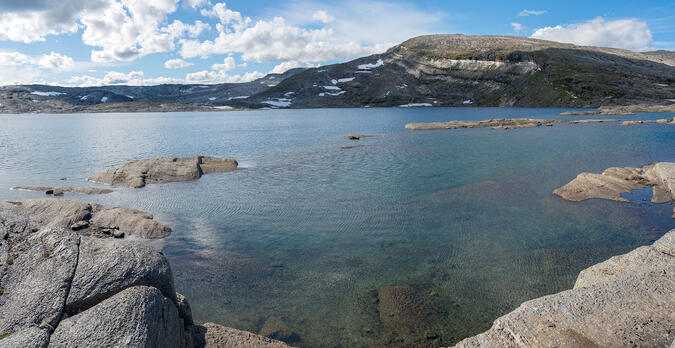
(93, 42)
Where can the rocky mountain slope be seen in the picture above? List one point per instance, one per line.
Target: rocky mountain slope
(433, 70)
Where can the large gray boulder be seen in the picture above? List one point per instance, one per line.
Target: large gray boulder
(139, 316)
(106, 268)
(212, 335)
(631, 305)
(35, 285)
(33, 337)
(139, 173)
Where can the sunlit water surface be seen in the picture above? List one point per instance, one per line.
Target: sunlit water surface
(308, 232)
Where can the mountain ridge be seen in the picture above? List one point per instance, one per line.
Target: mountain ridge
(431, 70)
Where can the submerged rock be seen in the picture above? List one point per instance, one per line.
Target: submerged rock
(358, 136)
(212, 335)
(615, 181)
(139, 173)
(630, 305)
(51, 190)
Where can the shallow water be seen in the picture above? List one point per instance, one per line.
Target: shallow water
(309, 232)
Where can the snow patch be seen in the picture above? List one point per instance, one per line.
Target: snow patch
(468, 101)
(402, 86)
(224, 107)
(47, 94)
(131, 97)
(415, 105)
(322, 94)
(364, 72)
(288, 94)
(346, 79)
(333, 81)
(336, 94)
(661, 84)
(332, 88)
(379, 63)
(104, 100)
(84, 97)
(671, 100)
(280, 102)
(239, 97)
(212, 98)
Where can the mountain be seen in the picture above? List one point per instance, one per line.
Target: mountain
(432, 70)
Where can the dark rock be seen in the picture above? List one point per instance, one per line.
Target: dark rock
(276, 329)
(80, 225)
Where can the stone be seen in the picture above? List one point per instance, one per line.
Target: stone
(358, 136)
(184, 310)
(33, 337)
(80, 225)
(106, 268)
(139, 173)
(212, 335)
(64, 213)
(50, 190)
(631, 305)
(350, 147)
(615, 181)
(117, 234)
(36, 285)
(139, 316)
(275, 328)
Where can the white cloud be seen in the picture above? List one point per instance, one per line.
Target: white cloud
(9, 58)
(55, 61)
(197, 3)
(133, 78)
(322, 16)
(517, 26)
(631, 34)
(229, 64)
(285, 66)
(176, 64)
(177, 29)
(221, 77)
(526, 13)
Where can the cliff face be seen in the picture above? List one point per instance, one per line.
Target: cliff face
(433, 70)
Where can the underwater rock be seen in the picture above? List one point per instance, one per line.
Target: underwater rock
(139, 173)
(275, 328)
(623, 302)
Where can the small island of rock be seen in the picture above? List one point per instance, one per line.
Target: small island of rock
(615, 181)
(139, 173)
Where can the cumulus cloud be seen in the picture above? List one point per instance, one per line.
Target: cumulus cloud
(133, 78)
(176, 64)
(517, 26)
(55, 61)
(196, 3)
(631, 34)
(9, 58)
(229, 64)
(285, 66)
(221, 77)
(322, 16)
(526, 13)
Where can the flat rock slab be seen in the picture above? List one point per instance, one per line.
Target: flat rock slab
(56, 190)
(33, 337)
(90, 218)
(615, 181)
(139, 316)
(495, 123)
(212, 335)
(139, 173)
(633, 306)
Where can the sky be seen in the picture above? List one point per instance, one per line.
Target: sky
(147, 42)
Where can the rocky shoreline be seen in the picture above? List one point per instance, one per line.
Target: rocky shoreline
(626, 301)
(62, 285)
(622, 110)
(515, 123)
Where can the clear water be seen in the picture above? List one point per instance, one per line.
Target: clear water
(309, 230)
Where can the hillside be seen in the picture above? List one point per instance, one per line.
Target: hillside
(433, 70)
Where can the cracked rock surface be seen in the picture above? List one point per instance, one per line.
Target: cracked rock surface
(65, 287)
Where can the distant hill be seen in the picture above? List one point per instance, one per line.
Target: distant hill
(432, 70)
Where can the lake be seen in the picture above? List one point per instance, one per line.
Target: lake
(416, 237)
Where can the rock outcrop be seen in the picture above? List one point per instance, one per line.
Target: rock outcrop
(89, 218)
(139, 173)
(615, 181)
(622, 110)
(61, 287)
(59, 190)
(659, 121)
(499, 123)
(626, 301)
